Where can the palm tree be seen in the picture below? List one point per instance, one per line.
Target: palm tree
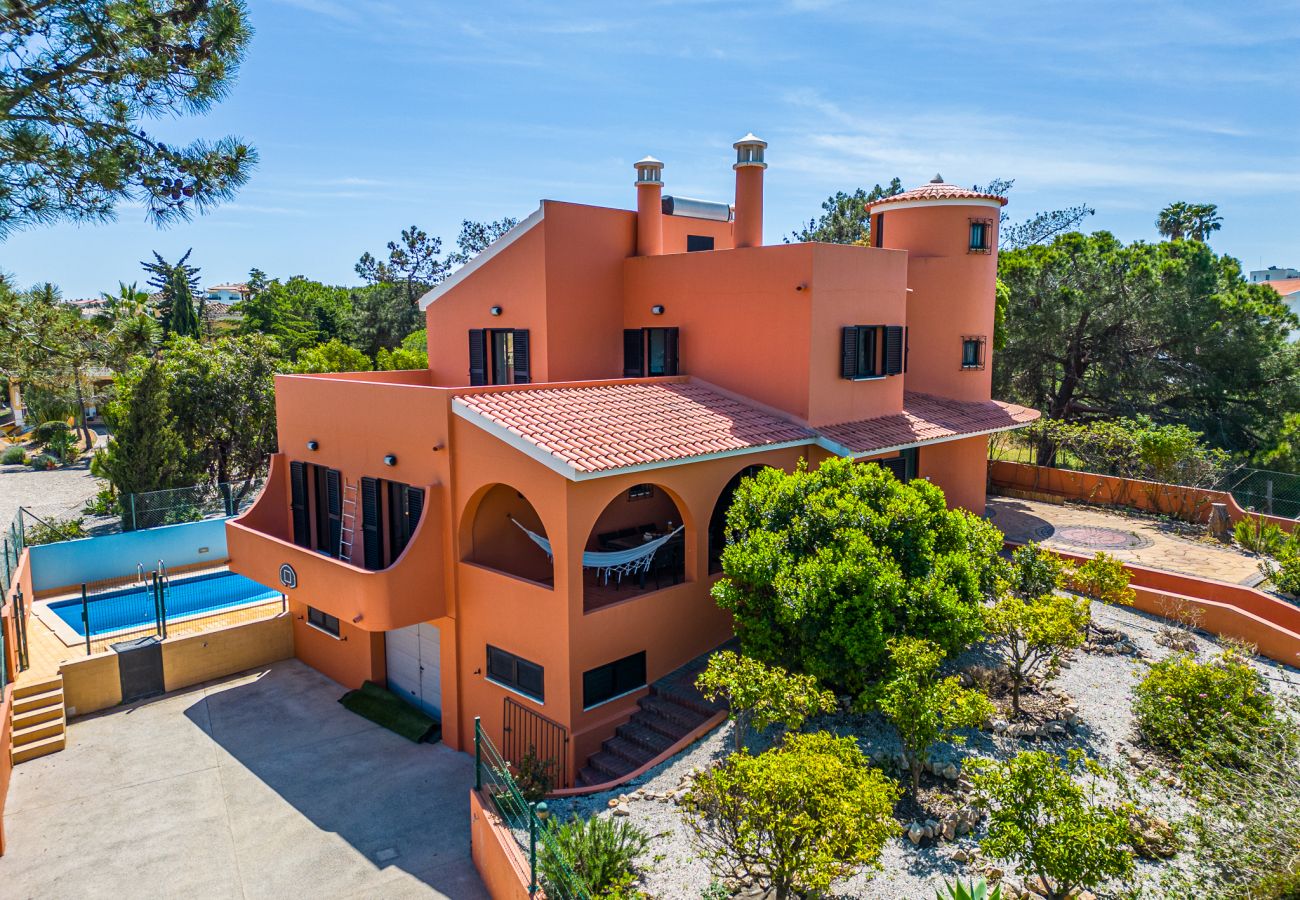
(129, 324)
(1189, 221)
(1205, 219)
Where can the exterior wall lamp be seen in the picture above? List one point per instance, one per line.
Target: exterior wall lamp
(313, 445)
(496, 310)
(656, 310)
(390, 459)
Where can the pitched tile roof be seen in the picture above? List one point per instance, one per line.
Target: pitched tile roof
(927, 418)
(606, 427)
(939, 190)
(1284, 286)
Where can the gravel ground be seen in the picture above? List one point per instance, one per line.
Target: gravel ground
(1100, 684)
(59, 492)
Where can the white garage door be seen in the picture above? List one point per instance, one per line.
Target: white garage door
(414, 672)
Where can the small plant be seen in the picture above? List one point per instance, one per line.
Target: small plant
(42, 462)
(14, 456)
(1183, 707)
(1047, 814)
(1103, 578)
(1258, 536)
(715, 891)
(46, 432)
(760, 696)
(969, 890)
(103, 503)
(1034, 633)
(922, 706)
(52, 531)
(796, 818)
(600, 851)
(534, 776)
(63, 446)
(1285, 573)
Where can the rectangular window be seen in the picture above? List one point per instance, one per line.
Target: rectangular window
(650, 352)
(641, 492)
(878, 230)
(696, 242)
(518, 674)
(499, 356)
(972, 352)
(981, 235)
(324, 621)
(862, 355)
(612, 680)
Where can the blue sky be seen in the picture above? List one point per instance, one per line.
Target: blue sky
(371, 115)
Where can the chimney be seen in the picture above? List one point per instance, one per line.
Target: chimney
(649, 207)
(748, 230)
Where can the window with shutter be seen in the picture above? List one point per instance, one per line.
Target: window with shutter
(478, 373)
(893, 349)
(516, 673)
(661, 351)
(849, 355)
(334, 511)
(299, 505)
(671, 338)
(972, 352)
(633, 353)
(372, 528)
(521, 362)
(613, 679)
(878, 230)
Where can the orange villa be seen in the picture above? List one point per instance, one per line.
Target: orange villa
(527, 531)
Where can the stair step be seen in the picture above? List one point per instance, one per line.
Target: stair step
(36, 716)
(672, 711)
(635, 754)
(689, 698)
(665, 728)
(609, 765)
(39, 701)
(44, 686)
(33, 733)
(43, 747)
(637, 732)
(589, 776)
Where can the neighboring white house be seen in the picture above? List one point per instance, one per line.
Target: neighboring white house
(1274, 273)
(1289, 288)
(230, 293)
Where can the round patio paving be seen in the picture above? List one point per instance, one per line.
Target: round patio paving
(1098, 537)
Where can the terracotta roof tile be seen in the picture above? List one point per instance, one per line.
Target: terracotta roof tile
(928, 418)
(939, 190)
(1284, 286)
(607, 427)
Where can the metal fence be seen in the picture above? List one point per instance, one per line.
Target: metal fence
(187, 504)
(549, 869)
(153, 602)
(1259, 490)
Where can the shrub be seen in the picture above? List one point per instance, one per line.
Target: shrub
(43, 461)
(14, 456)
(1046, 813)
(971, 890)
(795, 818)
(1034, 633)
(1285, 573)
(761, 696)
(52, 531)
(46, 432)
(1258, 536)
(922, 706)
(103, 503)
(1183, 707)
(1103, 578)
(1035, 572)
(534, 776)
(63, 446)
(822, 567)
(600, 851)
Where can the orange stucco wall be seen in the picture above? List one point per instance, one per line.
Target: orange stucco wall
(497, 857)
(959, 468)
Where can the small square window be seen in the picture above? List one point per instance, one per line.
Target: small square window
(322, 620)
(695, 242)
(981, 235)
(972, 352)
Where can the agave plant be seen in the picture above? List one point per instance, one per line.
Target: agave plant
(970, 890)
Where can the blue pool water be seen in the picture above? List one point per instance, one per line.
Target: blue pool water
(134, 607)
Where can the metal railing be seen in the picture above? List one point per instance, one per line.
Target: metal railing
(1260, 490)
(549, 870)
(531, 739)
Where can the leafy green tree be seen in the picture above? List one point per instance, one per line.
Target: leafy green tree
(924, 708)
(1190, 221)
(1034, 633)
(333, 356)
(822, 567)
(128, 325)
(760, 696)
(795, 818)
(381, 317)
(413, 354)
(145, 452)
(1050, 815)
(413, 263)
(76, 79)
(845, 219)
(475, 237)
(176, 283)
(1098, 329)
(1283, 447)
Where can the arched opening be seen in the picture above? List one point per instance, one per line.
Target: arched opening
(637, 546)
(492, 536)
(718, 520)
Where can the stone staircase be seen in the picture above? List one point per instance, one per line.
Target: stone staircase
(671, 710)
(39, 719)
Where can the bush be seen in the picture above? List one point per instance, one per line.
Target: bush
(1046, 813)
(1035, 572)
(43, 461)
(822, 567)
(1285, 573)
(63, 446)
(1183, 706)
(52, 531)
(1258, 536)
(1033, 633)
(103, 503)
(760, 696)
(923, 707)
(534, 776)
(46, 432)
(14, 456)
(795, 818)
(1103, 578)
(600, 851)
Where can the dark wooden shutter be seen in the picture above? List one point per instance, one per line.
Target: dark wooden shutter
(907, 346)
(521, 356)
(633, 353)
(414, 508)
(298, 503)
(334, 510)
(478, 356)
(372, 529)
(849, 352)
(670, 351)
(893, 349)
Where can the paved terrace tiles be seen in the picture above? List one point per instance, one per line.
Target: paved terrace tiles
(926, 418)
(589, 431)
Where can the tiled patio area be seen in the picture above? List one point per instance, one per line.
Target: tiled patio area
(1136, 539)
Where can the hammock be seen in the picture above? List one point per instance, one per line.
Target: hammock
(616, 562)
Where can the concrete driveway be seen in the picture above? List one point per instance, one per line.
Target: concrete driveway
(260, 785)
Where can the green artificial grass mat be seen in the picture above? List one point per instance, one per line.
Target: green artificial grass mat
(383, 707)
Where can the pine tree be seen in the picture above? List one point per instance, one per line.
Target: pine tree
(177, 284)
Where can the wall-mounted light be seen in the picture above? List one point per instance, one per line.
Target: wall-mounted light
(390, 459)
(313, 445)
(496, 310)
(801, 287)
(657, 310)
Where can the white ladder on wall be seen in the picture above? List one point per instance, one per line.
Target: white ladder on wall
(347, 535)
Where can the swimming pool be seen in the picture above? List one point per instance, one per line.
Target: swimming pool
(134, 607)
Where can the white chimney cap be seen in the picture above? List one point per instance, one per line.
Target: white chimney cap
(749, 140)
(648, 162)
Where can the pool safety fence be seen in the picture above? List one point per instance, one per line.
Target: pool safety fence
(153, 602)
(550, 871)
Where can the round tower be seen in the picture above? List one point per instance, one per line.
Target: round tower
(748, 229)
(950, 234)
(649, 207)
